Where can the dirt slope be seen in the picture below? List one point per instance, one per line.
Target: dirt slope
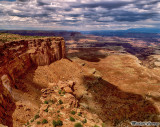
(127, 91)
(116, 87)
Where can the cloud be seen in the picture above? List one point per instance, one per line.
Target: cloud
(132, 16)
(40, 3)
(8, 0)
(108, 5)
(23, 0)
(79, 14)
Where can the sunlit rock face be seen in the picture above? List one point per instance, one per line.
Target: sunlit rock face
(6, 82)
(45, 51)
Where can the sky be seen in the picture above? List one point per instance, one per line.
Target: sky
(79, 15)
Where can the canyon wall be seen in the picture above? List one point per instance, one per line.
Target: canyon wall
(16, 58)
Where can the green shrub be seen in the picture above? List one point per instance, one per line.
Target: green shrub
(60, 91)
(84, 121)
(51, 101)
(38, 122)
(36, 117)
(96, 126)
(46, 110)
(63, 92)
(72, 119)
(54, 122)
(103, 125)
(62, 107)
(44, 121)
(78, 125)
(57, 123)
(32, 120)
(79, 114)
(58, 111)
(45, 102)
(60, 102)
(73, 112)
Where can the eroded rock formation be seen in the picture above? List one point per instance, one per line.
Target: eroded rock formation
(16, 58)
(61, 108)
(7, 105)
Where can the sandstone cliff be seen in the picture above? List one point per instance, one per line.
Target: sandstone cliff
(7, 105)
(16, 58)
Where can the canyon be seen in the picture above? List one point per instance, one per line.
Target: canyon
(91, 82)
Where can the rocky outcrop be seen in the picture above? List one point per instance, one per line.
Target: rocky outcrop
(61, 108)
(7, 105)
(16, 58)
(43, 52)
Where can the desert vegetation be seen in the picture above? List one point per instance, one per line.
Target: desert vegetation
(7, 37)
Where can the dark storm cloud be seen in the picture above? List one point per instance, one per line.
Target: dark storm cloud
(133, 17)
(23, 0)
(8, 0)
(51, 9)
(153, 2)
(147, 4)
(68, 9)
(90, 14)
(49, 21)
(40, 3)
(108, 5)
(70, 21)
(25, 15)
(129, 16)
(74, 15)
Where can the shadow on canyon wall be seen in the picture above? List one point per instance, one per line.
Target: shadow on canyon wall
(116, 106)
(91, 55)
(8, 106)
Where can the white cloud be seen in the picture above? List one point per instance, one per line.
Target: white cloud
(79, 14)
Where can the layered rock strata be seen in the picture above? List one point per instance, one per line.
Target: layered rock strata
(16, 58)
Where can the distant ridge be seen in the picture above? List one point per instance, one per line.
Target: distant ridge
(145, 30)
(135, 32)
(129, 33)
(67, 35)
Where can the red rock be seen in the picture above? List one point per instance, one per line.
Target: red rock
(68, 90)
(16, 58)
(71, 83)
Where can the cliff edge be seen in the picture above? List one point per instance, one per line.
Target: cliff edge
(16, 58)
